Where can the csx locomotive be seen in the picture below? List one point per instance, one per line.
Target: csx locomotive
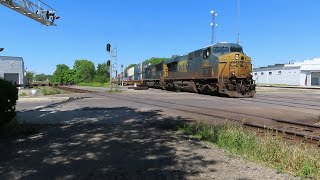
(222, 68)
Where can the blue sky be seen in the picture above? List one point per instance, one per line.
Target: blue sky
(273, 31)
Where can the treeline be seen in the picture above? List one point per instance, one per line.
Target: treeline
(37, 78)
(152, 61)
(83, 71)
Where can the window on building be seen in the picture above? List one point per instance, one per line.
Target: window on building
(262, 73)
(270, 73)
(279, 72)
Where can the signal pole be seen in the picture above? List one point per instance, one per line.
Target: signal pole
(110, 65)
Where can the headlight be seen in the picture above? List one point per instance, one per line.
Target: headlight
(251, 74)
(237, 56)
(233, 73)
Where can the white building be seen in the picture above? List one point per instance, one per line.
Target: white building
(12, 69)
(305, 73)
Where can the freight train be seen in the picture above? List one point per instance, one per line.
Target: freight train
(222, 68)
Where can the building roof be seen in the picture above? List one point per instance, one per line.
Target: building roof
(11, 58)
(308, 65)
(270, 66)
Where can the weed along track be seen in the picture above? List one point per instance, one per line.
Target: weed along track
(288, 129)
(75, 90)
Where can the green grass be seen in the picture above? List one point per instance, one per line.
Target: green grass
(23, 94)
(114, 90)
(50, 91)
(301, 160)
(94, 84)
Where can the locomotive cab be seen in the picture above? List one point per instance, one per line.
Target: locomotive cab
(235, 70)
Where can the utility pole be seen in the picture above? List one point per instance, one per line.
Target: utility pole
(213, 26)
(122, 75)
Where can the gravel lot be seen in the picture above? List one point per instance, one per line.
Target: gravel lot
(101, 137)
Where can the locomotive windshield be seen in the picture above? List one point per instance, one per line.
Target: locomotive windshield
(236, 49)
(217, 50)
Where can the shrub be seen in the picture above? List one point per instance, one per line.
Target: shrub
(8, 99)
(50, 91)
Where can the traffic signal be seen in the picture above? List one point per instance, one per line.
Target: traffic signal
(108, 63)
(108, 47)
(47, 15)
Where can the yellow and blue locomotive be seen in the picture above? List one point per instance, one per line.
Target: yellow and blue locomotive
(222, 68)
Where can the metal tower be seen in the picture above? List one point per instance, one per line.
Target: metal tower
(37, 10)
(213, 26)
(238, 23)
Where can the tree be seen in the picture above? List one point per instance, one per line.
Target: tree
(30, 76)
(154, 60)
(102, 73)
(42, 77)
(174, 56)
(59, 73)
(130, 66)
(70, 76)
(85, 71)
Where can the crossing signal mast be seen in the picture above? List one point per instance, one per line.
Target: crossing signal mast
(36, 10)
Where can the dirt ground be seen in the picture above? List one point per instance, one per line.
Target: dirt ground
(120, 143)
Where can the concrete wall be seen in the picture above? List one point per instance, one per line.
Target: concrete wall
(292, 76)
(12, 65)
(278, 75)
(270, 75)
(305, 78)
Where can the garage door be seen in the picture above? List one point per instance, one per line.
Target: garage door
(12, 77)
(315, 79)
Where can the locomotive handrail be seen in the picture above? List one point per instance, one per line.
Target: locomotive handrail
(223, 68)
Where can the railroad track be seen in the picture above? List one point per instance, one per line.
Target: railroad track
(317, 100)
(289, 129)
(283, 103)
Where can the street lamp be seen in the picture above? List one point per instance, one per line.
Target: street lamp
(213, 26)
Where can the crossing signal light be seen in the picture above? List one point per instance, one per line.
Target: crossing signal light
(108, 47)
(108, 63)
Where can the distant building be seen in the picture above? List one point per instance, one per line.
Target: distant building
(12, 69)
(306, 73)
